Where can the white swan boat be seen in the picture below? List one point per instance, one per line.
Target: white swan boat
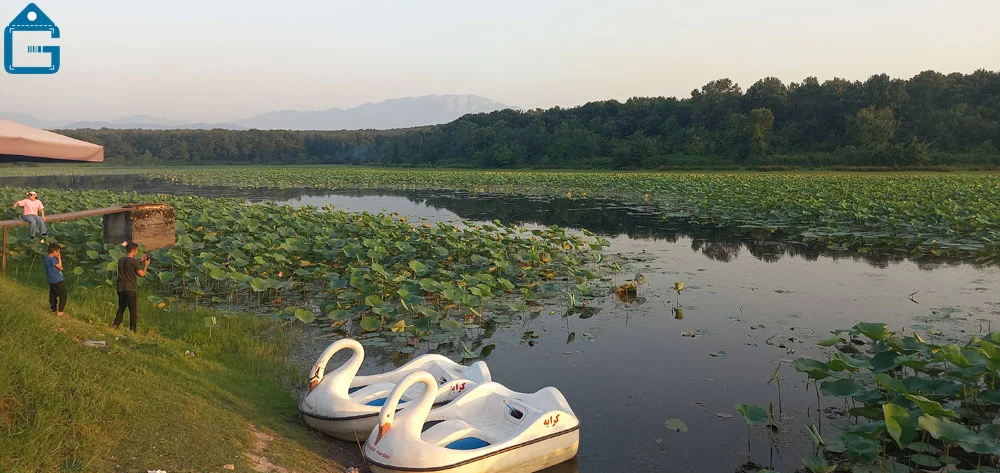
(489, 429)
(346, 406)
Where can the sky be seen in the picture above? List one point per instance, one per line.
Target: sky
(217, 60)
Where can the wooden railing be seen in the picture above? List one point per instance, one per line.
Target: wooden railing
(5, 224)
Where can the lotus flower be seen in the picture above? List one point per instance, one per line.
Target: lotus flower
(678, 286)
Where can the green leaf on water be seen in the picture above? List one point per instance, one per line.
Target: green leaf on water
(719, 353)
(843, 361)
(814, 369)
(954, 354)
(371, 323)
(818, 465)
(450, 325)
(829, 342)
(899, 424)
(306, 316)
(890, 384)
(872, 330)
(922, 447)
(676, 425)
(752, 414)
(841, 388)
(953, 432)
(338, 314)
(816, 437)
(518, 306)
(929, 407)
(419, 267)
(374, 301)
(925, 460)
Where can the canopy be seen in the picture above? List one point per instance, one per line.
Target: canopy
(24, 143)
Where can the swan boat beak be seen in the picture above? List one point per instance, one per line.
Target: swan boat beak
(382, 429)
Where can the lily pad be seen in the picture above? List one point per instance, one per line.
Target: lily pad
(676, 425)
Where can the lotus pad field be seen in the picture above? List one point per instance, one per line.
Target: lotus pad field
(370, 273)
(913, 213)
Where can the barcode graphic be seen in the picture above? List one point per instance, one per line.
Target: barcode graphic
(34, 49)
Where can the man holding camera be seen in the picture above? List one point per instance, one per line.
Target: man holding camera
(129, 270)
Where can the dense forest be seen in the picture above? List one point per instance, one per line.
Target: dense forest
(930, 119)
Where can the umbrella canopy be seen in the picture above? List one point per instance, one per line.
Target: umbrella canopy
(24, 143)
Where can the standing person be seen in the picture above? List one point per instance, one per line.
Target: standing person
(128, 285)
(34, 214)
(57, 287)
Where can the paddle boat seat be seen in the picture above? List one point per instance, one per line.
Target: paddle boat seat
(449, 431)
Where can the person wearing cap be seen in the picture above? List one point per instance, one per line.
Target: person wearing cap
(34, 213)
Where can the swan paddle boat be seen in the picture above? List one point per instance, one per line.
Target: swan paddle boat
(489, 429)
(346, 406)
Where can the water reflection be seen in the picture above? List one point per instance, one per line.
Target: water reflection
(601, 216)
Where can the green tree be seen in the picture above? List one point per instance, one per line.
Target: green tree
(874, 128)
(761, 123)
(632, 151)
(767, 93)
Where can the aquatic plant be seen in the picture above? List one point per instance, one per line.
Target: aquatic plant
(908, 213)
(917, 404)
(361, 272)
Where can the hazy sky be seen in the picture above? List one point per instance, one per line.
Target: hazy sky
(213, 60)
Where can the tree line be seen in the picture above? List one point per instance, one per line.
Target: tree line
(929, 119)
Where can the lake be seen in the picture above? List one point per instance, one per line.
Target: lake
(749, 300)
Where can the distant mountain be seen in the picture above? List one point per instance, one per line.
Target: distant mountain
(25, 119)
(145, 122)
(393, 113)
(123, 124)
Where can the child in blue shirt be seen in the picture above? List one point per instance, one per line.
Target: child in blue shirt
(57, 287)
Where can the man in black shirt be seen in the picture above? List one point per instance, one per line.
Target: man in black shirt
(128, 287)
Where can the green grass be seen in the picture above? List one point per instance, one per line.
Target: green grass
(141, 403)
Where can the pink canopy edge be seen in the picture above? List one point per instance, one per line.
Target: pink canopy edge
(22, 140)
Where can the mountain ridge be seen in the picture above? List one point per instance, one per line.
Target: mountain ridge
(401, 112)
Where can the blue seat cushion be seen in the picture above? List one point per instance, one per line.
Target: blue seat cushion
(380, 402)
(467, 443)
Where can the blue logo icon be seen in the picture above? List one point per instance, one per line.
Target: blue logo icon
(27, 43)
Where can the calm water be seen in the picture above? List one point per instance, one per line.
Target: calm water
(627, 369)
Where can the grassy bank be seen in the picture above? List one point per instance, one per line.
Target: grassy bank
(142, 403)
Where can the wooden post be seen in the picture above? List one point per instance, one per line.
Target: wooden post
(4, 271)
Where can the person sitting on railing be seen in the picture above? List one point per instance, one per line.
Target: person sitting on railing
(34, 214)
